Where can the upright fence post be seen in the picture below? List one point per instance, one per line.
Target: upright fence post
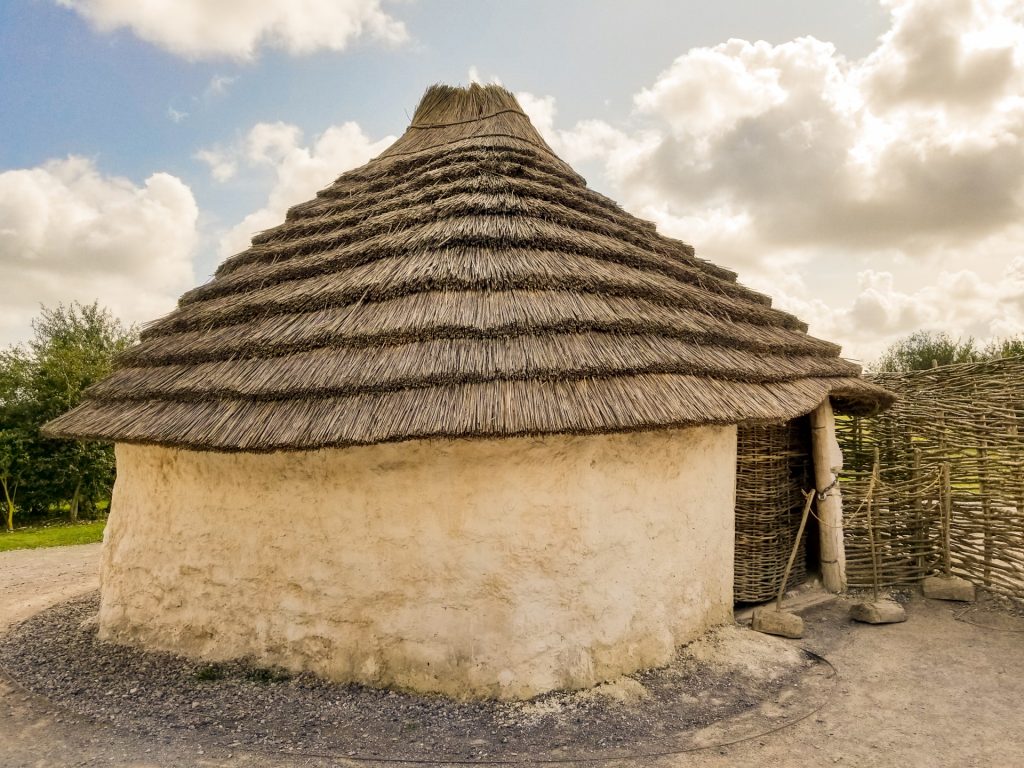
(1018, 420)
(875, 475)
(920, 525)
(947, 514)
(986, 504)
(827, 463)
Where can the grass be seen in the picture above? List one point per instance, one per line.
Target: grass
(52, 535)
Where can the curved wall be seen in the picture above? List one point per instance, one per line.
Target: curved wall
(498, 568)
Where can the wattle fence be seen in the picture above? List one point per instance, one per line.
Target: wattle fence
(772, 469)
(936, 483)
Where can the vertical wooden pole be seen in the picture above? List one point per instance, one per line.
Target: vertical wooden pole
(875, 474)
(827, 463)
(986, 504)
(945, 491)
(920, 525)
(947, 516)
(1016, 431)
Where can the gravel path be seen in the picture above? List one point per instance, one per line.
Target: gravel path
(933, 691)
(36, 578)
(751, 681)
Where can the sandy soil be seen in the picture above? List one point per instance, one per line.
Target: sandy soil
(931, 692)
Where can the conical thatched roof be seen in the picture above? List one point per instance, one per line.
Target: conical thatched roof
(463, 283)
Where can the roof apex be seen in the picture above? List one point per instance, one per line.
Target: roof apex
(448, 104)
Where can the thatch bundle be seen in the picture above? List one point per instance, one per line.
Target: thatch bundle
(463, 283)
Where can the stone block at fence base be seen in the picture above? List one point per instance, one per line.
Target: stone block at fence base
(773, 622)
(948, 588)
(878, 612)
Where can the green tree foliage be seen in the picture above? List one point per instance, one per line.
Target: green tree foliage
(72, 348)
(15, 431)
(1005, 348)
(917, 351)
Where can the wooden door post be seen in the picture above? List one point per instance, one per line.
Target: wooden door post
(828, 460)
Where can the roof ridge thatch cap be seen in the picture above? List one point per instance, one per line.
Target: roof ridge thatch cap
(464, 283)
(444, 105)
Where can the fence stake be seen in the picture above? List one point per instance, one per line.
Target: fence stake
(947, 514)
(920, 526)
(986, 503)
(875, 476)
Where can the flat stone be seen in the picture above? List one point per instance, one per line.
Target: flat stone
(878, 612)
(773, 622)
(948, 588)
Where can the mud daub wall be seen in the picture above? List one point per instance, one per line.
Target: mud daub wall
(952, 447)
(772, 468)
(473, 568)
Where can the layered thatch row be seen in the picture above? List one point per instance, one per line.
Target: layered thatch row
(466, 314)
(485, 409)
(466, 282)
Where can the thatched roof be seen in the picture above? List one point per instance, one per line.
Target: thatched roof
(466, 282)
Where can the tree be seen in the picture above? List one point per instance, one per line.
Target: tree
(15, 428)
(1012, 347)
(12, 471)
(72, 348)
(917, 352)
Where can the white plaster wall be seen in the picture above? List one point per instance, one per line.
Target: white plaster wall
(500, 568)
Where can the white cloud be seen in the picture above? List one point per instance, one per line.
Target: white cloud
(67, 232)
(947, 53)
(176, 116)
(200, 29)
(299, 171)
(891, 183)
(879, 310)
(218, 86)
(587, 140)
(222, 165)
(474, 76)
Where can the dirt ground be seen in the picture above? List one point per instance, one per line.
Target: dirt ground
(931, 692)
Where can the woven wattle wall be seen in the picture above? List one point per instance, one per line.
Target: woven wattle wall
(970, 418)
(772, 468)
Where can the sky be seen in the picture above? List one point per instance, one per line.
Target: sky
(862, 162)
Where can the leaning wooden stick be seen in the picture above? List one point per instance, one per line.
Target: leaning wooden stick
(809, 499)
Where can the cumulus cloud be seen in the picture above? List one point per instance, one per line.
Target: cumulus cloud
(223, 166)
(878, 310)
(175, 115)
(811, 159)
(67, 232)
(218, 86)
(474, 76)
(776, 158)
(298, 171)
(199, 29)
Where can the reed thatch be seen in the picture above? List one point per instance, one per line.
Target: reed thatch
(463, 283)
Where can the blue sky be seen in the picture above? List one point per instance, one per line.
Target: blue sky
(132, 95)
(71, 90)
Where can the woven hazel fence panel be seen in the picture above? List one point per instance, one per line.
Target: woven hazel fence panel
(772, 468)
(968, 418)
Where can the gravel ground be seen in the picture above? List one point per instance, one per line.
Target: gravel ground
(941, 690)
(56, 654)
(36, 578)
(992, 611)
